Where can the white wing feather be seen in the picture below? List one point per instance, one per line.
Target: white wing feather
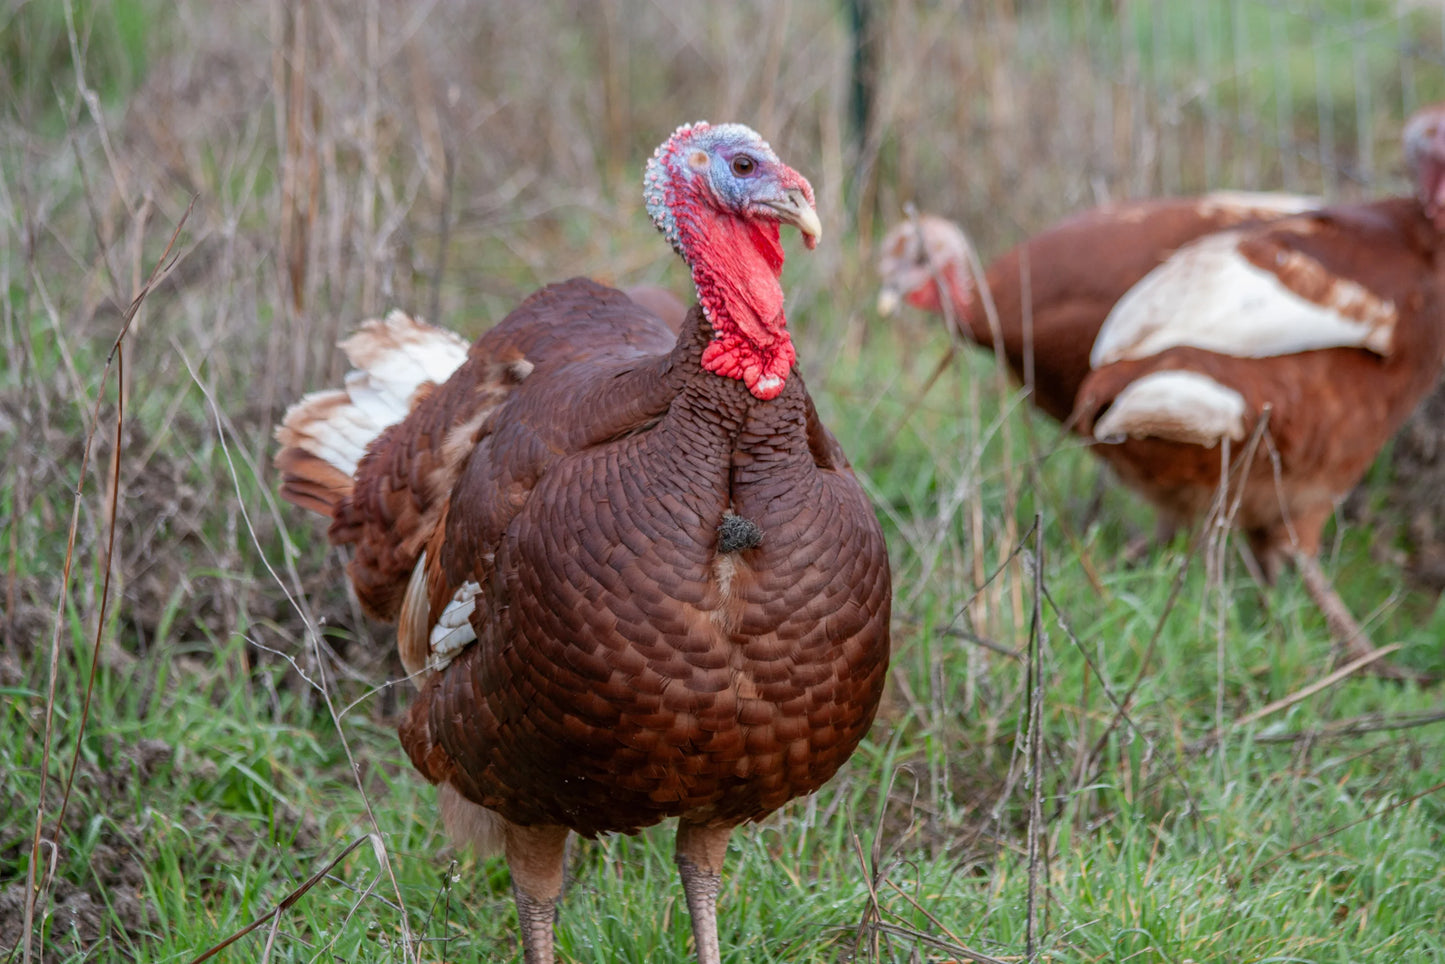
(1258, 203)
(1210, 296)
(1182, 406)
(394, 358)
(453, 631)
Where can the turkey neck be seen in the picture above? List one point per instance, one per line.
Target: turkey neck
(736, 266)
(970, 318)
(718, 420)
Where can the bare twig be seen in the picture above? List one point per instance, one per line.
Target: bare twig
(1037, 635)
(1286, 702)
(163, 264)
(931, 941)
(1353, 823)
(1001, 387)
(297, 601)
(287, 902)
(1358, 726)
(1123, 714)
(872, 914)
(957, 942)
(879, 454)
(1122, 703)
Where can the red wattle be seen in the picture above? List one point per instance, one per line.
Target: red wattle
(736, 266)
(925, 298)
(928, 297)
(764, 373)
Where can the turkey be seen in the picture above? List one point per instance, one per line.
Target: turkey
(1052, 292)
(1315, 335)
(632, 573)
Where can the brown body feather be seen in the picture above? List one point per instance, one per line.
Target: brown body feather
(617, 645)
(625, 670)
(1066, 280)
(1052, 292)
(1330, 410)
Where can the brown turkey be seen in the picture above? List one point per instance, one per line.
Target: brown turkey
(633, 575)
(1316, 334)
(1051, 294)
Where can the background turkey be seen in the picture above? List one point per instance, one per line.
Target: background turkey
(1050, 295)
(1290, 351)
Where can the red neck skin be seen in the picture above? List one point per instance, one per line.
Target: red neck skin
(960, 296)
(1435, 200)
(1427, 165)
(736, 266)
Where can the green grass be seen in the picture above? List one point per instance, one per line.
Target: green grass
(117, 38)
(213, 779)
(1160, 854)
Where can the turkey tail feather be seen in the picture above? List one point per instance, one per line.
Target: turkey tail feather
(325, 435)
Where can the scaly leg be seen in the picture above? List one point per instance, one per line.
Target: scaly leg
(1349, 636)
(700, 852)
(536, 858)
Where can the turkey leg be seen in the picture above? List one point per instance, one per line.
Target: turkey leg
(1349, 635)
(536, 858)
(700, 852)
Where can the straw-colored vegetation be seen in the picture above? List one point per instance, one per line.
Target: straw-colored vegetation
(1079, 758)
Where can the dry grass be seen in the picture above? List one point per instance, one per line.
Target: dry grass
(340, 158)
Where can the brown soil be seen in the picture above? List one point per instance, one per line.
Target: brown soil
(111, 900)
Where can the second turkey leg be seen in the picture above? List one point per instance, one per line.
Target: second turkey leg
(700, 852)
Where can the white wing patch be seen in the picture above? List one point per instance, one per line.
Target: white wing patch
(453, 630)
(393, 358)
(424, 653)
(1210, 296)
(1181, 406)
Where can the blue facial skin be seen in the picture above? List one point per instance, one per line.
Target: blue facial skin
(722, 144)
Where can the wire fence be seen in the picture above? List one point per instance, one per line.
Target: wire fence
(1008, 115)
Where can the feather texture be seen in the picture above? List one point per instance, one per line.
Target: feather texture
(592, 655)
(1332, 382)
(1043, 302)
(650, 628)
(325, 435)
(1212, 295)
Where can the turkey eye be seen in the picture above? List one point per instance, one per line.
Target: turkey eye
(744, 165)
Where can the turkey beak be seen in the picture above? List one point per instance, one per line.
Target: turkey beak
(888, 300)
(793, 208)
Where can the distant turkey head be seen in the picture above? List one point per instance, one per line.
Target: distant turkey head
(719, 194)
(1425, 155)
(915, 257)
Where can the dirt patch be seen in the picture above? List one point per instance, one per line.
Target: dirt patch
(187, 572)
(85, 905)
(71, 922)
(102, 895)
